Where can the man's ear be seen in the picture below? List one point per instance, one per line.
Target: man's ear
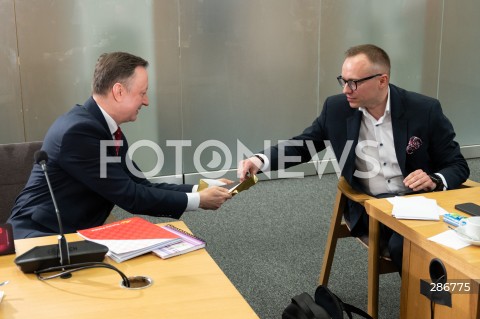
(118, 91)
(384, 79)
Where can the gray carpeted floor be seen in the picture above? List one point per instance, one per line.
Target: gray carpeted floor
(270, 241)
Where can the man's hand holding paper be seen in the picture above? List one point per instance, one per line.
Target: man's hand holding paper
(213, 197)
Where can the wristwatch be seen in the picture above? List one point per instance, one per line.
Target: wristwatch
(438, 181)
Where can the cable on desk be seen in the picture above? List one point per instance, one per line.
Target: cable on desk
(68, 269)
(432, 303)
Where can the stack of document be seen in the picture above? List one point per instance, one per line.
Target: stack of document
(130, 237)
(416, 207)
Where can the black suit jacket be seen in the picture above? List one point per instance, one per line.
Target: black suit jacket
(413, 115)
(83, 197)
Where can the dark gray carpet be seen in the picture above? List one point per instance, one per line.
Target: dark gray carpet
(270, 241)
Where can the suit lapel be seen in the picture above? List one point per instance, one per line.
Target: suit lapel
(353, 126)
(400, 128)
(353, 131)
(92, 107)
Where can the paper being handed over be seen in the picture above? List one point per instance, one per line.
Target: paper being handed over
(233, 188)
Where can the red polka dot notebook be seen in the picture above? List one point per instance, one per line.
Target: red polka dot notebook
(129, 237)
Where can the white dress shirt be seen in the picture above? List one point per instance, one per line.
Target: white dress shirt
(376, 162)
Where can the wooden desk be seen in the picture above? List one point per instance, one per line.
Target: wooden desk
(418, 251)
(187, 286)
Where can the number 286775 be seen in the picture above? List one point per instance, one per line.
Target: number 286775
(455, 286)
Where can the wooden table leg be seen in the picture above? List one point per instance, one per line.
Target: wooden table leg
(405, 278)
(373, 260)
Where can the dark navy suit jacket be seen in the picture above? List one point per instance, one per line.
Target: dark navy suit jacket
(413, 115)
(84, 198)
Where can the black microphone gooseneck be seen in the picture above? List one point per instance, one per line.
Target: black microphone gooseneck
(41, 158)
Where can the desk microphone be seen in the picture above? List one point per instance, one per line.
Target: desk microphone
(41, 158)
(61, 254)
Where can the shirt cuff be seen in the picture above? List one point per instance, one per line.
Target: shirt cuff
(266, 162)
(193, 199)
(445, 186)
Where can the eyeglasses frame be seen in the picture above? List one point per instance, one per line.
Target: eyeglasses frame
(351, 82)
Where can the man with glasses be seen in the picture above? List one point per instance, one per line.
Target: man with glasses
(392, 141)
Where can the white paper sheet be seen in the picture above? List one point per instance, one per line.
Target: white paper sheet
(418, 207)
(449, 239)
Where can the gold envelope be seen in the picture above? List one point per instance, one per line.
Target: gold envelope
(233, 188)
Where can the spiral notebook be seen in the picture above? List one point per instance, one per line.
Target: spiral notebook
(187, 244)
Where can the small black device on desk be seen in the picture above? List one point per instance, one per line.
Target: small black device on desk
(469, 208)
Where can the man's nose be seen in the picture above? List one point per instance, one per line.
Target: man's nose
(346, 89)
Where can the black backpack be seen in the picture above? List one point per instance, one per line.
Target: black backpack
(326, 306)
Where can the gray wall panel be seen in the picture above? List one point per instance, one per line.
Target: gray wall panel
(397, 26)
(53, 64)
(165, 88)
(59, 57)
(11, 121)
(459, 81)
(246, 70)
(249, 71)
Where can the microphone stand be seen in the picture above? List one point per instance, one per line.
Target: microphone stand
(85, 254)
(62, 241)
(61, 256)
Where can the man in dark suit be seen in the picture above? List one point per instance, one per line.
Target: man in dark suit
(85, 177)
(395, 141)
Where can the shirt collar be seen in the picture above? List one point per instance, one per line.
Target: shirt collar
(387, 106)
(112, 125)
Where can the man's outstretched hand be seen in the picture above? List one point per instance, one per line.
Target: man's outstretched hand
(213, 197)
(249, 166)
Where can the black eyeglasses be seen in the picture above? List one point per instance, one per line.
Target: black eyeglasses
(352, 84)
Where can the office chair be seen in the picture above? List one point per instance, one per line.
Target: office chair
(16, 162)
